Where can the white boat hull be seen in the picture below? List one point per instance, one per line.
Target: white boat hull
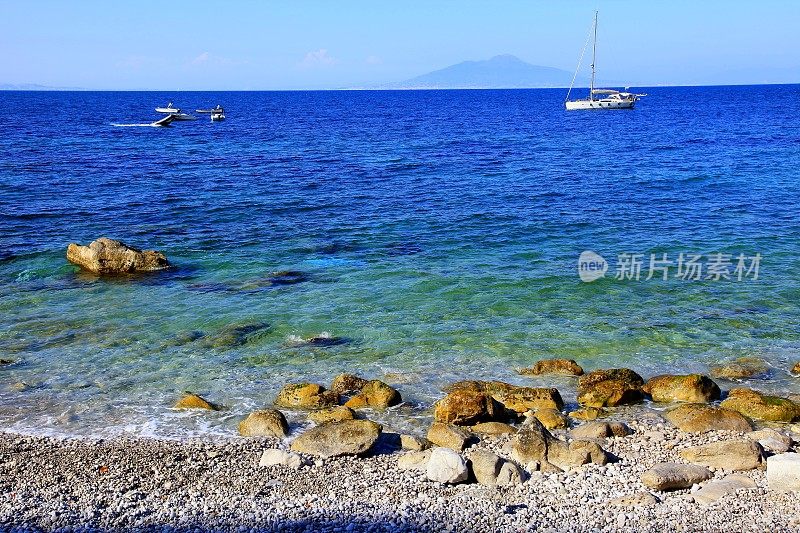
(599, 104)
(216, 117)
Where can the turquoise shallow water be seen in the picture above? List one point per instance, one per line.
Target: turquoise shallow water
(438, 234)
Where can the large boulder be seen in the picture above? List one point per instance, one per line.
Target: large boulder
(513, 397)
(448, 436)
(349, 437)
(533, 443)
(564, 367)
(107, 256)
(306, 396)
(344, 383)
(727, 455)
(759, 406)
(674, 476)
(194, 401)
(264, 423)
(691, 388)
(608, 388)
(699, 418)
(466, 407)
(783, 472)
(446, 466)
(375, 394)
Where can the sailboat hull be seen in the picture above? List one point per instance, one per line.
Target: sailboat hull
(599, 104)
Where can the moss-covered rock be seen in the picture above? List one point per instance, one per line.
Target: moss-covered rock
(699, 418)
(609, 388)
(759, 406)
(306, 396)
(691, 388)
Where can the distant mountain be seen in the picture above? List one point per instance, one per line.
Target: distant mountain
(34, 87)
(500, 72)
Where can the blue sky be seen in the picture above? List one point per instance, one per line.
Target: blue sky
(183, 45)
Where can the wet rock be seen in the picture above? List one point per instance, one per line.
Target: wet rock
(674, 476)
(699, 418)
(796, 369)
(323, 340)
(513, 398)
(588, 413)
(493, 428)
(193, 401)
(274, 457)
(235, 335)
(771, 440)
(349, 437)
(306, 396)
(565, 367)
(608, 388)
(551, 418)
(19, 386)
(287, 277)
(759, 406)
(107, 256)
(414, 443)
(727, 455)
(448, 436)
(264, 423)
(691, 388)
(466, 407)
(414, 460)
(375, 394)
(783, 472)
(4, 362)
(344, 383)
(600, 430)
(446, 466)
(332, 414)
(183, 338)
(742, 368)
(714, 490)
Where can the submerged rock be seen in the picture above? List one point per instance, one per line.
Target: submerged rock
(306, 396)
(264, 423)
(699, 418)
(332, 414)
(375, 394)
(609, 388)
(742, 368)
(107, 256)
(466, 407)
(348, 437)
(234, 335)
(674, 476)
(323, 340)
(4, 362)
(691, 388)
(759, 406)
(287, 277)
(194, 401)
(727, 455)
(564, 367)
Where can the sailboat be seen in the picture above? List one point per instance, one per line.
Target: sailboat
(599, 98)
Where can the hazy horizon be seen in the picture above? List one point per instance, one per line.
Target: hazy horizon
(314, 45)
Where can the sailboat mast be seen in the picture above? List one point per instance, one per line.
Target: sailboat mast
(594, 57)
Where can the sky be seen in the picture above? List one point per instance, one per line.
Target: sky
(309, 44)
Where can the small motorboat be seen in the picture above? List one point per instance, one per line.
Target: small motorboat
(217, 113)
(164, 121)
(183, 116)
(169, 109)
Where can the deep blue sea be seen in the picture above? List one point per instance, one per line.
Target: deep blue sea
(436, 235)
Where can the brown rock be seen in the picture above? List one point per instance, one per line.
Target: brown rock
(332, 414)
(193, 401)
(493, 428)
(727, 455)
(465, 407)
(551, 418)
(698, 418)
(759, 406)
(566, 367)
(608, 388)
(349, 437)
(306, 396)
(264, 423)
(674, 476)
(600, 430)
(344, 383)
(513, 397)
(742, 368)
(375, 394)
(107, 256)
(414, 443)
(796, 368)
(588, 413)
(448, 436)
(692, 388)
(533, 443)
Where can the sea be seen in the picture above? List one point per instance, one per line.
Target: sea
(418, 237)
